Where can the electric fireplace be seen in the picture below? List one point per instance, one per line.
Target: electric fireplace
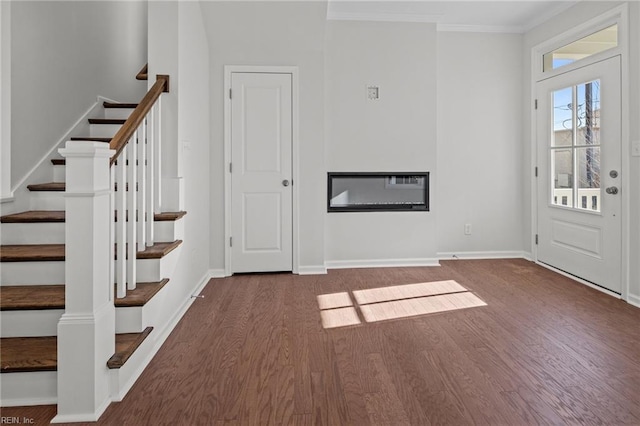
(379, 191)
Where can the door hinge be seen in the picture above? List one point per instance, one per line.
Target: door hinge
(230, 167)
(230, 241)
(536, 171)
(536, 239)
(536, 104)
(230, 96)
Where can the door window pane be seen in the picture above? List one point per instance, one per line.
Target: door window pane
(590, 45)
(562, 117)
(588, 113)
(589, 176)
(562, 166)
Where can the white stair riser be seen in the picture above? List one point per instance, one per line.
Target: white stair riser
(59, 173)
(33, 233)
(32, 273)
(35, 323)
(117, 113)
(136, 319)
(35, 273)
(33, 388)
(153, 270)
(103, 130)
(53, 233)
(47, 200)
(30, 323)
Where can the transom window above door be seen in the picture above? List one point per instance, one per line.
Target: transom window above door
(575, 147)
(583, 48)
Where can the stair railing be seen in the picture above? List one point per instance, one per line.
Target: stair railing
(136, 184)
(87, 328)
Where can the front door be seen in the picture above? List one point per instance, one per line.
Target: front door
(261, 162)
(579, 159)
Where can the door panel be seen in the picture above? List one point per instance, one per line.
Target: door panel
(579, 156)
(261, 145)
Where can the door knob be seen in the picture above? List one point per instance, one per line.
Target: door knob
(285, 182)
(612, 190)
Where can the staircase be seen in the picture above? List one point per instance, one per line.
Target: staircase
(32, 291)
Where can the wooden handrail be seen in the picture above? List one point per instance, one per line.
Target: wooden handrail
(136, 118)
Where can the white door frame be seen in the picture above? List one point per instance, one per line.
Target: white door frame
(293, 71)
(617, 15)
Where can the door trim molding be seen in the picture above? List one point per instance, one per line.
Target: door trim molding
(619, 15)
(294, 72)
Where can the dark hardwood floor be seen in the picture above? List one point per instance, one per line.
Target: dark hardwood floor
(545, 350)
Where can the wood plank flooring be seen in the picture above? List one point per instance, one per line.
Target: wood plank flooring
(545, 350)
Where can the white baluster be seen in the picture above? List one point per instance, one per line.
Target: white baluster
(150, 174)
(121, 224)
(132, 246)
(142, 187)
(112, 227)
(158, 156)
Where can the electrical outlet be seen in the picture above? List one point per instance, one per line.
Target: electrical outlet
(373, 93)
(467, 229)
(635, 148)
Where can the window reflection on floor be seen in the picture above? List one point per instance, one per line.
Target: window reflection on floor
(393, 302)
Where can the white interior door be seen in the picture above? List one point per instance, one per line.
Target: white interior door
(579, 159)
(261, 161)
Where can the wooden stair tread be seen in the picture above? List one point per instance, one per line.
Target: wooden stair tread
(31, 252)
(80, 138)
(34, 216)
(47, 187)
(44, 297)
(143, 293)
(58, 161)
(126, 345)
(24, 354)
(119, 105)
(31, 297)
(57, 187)
(107, 121)
(42, 216)
(158, 250)
(169, 216)
(30, 354)
(56, 252)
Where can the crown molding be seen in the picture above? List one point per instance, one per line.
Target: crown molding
(501, 29)
(382, 17)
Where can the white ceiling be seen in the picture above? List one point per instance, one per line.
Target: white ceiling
(515, 16)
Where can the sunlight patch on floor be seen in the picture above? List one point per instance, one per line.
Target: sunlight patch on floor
(393, 302)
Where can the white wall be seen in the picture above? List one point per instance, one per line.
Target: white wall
(578, 14)
(480, 143)
(63, 55)
(272, 33)
(395, 133)
(5, 100)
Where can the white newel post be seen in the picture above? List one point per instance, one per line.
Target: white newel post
(86, 331)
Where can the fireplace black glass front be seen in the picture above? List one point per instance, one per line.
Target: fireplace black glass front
(364, 192)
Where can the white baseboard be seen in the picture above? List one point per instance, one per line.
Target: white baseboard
(76, 418)
(217, 273)
(483, 255)
(634, 300)
(380, 263)
(312, 270)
